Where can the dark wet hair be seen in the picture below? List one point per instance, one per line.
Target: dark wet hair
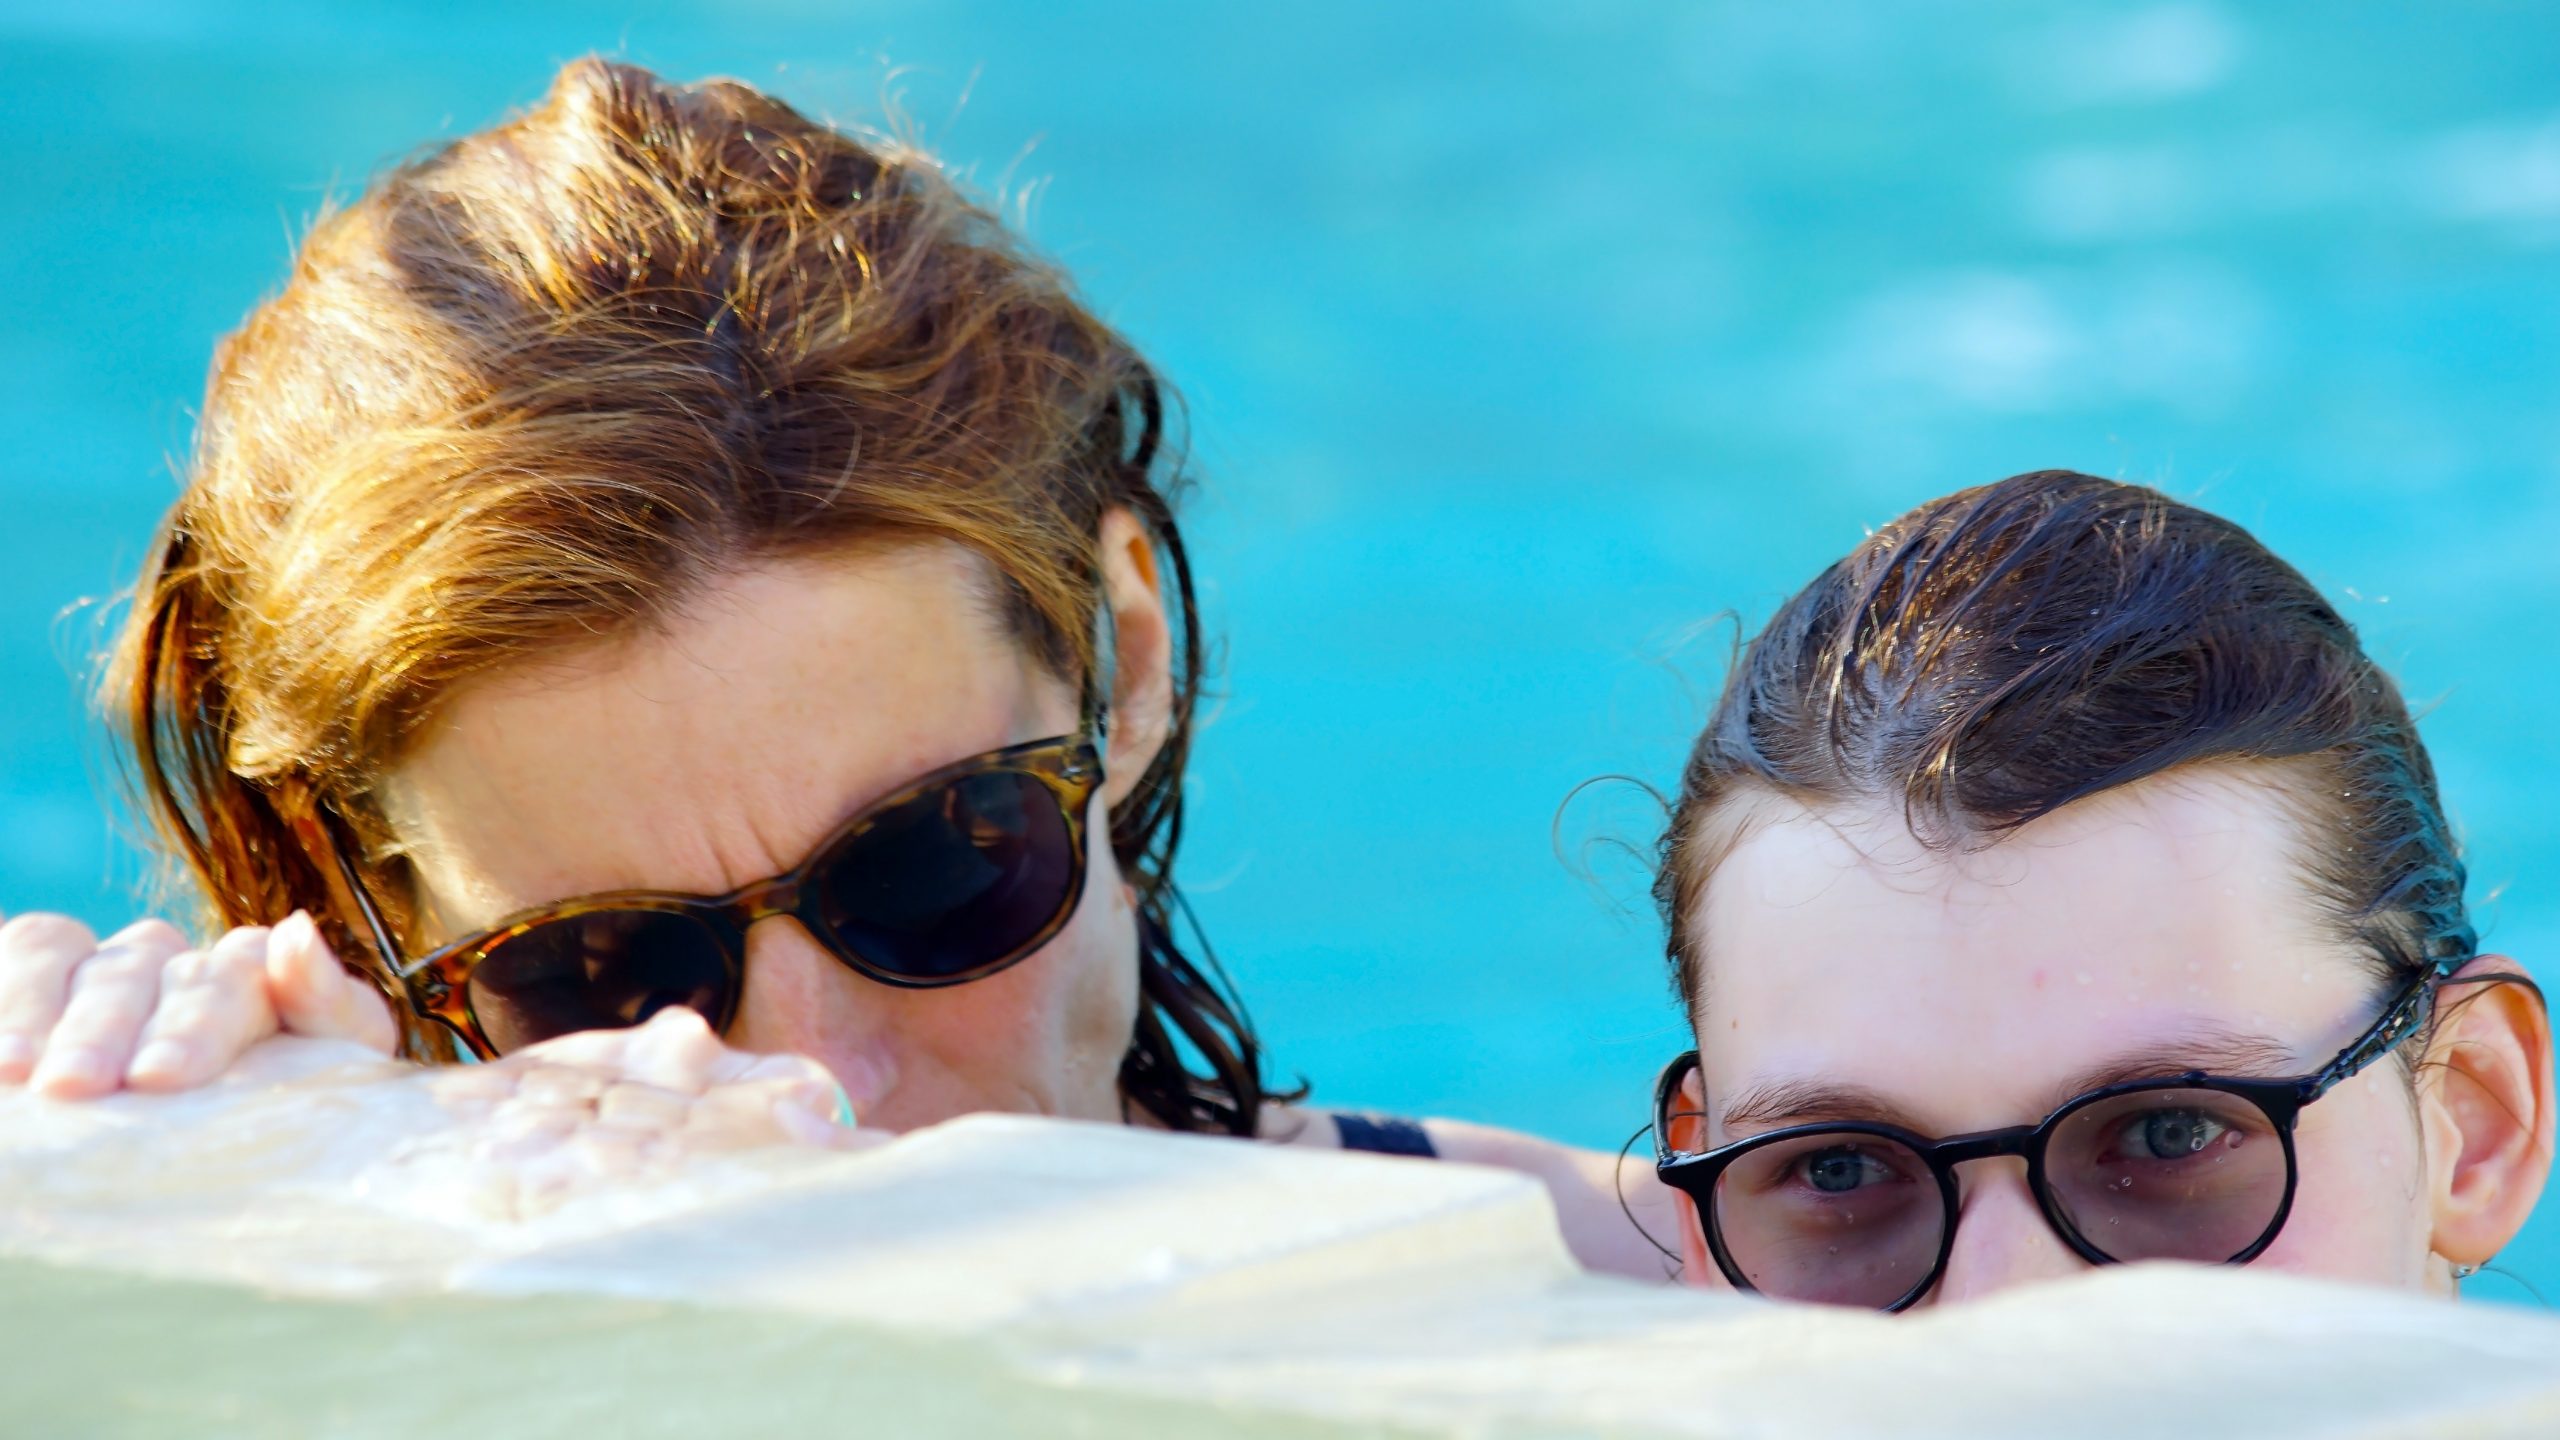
(1995, 655)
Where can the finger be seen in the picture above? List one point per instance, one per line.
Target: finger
(112, 995)
(729, 1112)
(315, 994)
(805, 1109)
(38, 952)
(516, 1132)
(745, 1116)
(563, 1085)
(476, 1083)
(819, 1120)
(736, 1066)
(809, 1085)
(605, 1051)
(646, 1108)
(213, 1006)
(675, 1051)
(609, 1153)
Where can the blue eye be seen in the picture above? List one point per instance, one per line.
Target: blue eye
(2172, 1134)
(1838, 1171)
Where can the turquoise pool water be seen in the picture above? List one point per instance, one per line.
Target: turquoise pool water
(1520, 339)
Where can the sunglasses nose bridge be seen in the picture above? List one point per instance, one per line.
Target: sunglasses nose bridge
(778, 896)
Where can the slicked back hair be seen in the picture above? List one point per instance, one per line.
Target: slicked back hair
(1996, 655)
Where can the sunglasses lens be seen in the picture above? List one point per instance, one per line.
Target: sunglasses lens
(2169, 1174)
(958, 881)
(1841, 1218)
(598, 971)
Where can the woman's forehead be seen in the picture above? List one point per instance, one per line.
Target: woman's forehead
(1839, 946)
(727, 740)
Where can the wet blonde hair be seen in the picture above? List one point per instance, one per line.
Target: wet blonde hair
(542, 385)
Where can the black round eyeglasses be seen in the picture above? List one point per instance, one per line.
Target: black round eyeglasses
(2192, 1167)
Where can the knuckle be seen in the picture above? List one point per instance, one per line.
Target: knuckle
(246, 940)
(116, 966)
(40, 935)
(150, 934)
(235, 966)
(189, 968)
(181, 1016)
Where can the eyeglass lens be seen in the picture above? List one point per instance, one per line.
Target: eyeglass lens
(2168, 1174)
(603, 970)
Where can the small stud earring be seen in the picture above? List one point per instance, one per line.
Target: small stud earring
(2465, 1272)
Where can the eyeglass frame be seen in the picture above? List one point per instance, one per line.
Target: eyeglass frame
(2281, 1100)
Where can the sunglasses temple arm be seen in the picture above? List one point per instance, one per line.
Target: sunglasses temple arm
(1102, 675)
(377, 931)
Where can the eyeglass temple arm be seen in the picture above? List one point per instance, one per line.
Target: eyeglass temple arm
(2407, 1015)
(1665, 1087)
(377, 931)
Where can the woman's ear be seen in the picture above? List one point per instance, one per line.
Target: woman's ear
(1142, 633)
(1686, 1129)
(2486, 1105)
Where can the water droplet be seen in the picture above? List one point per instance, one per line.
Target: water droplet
(2082, 977)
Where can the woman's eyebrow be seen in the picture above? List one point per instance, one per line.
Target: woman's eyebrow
(2214, 1052)
(1771, 1102)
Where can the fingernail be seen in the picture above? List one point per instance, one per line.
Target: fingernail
(294, 929)
(160, 1057)
(79, 1063)
(17, 1052)
(801, 1123)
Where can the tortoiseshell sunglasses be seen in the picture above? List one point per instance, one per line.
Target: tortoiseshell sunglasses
(956, 876)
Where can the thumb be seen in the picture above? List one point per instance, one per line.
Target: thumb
(314, 994)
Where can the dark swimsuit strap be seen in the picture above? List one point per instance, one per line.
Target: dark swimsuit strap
(1384, 1135)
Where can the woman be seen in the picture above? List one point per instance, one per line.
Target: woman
(2058, 883)
(662, 555)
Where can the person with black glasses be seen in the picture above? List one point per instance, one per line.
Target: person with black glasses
(2058, 883)
(667, 567)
